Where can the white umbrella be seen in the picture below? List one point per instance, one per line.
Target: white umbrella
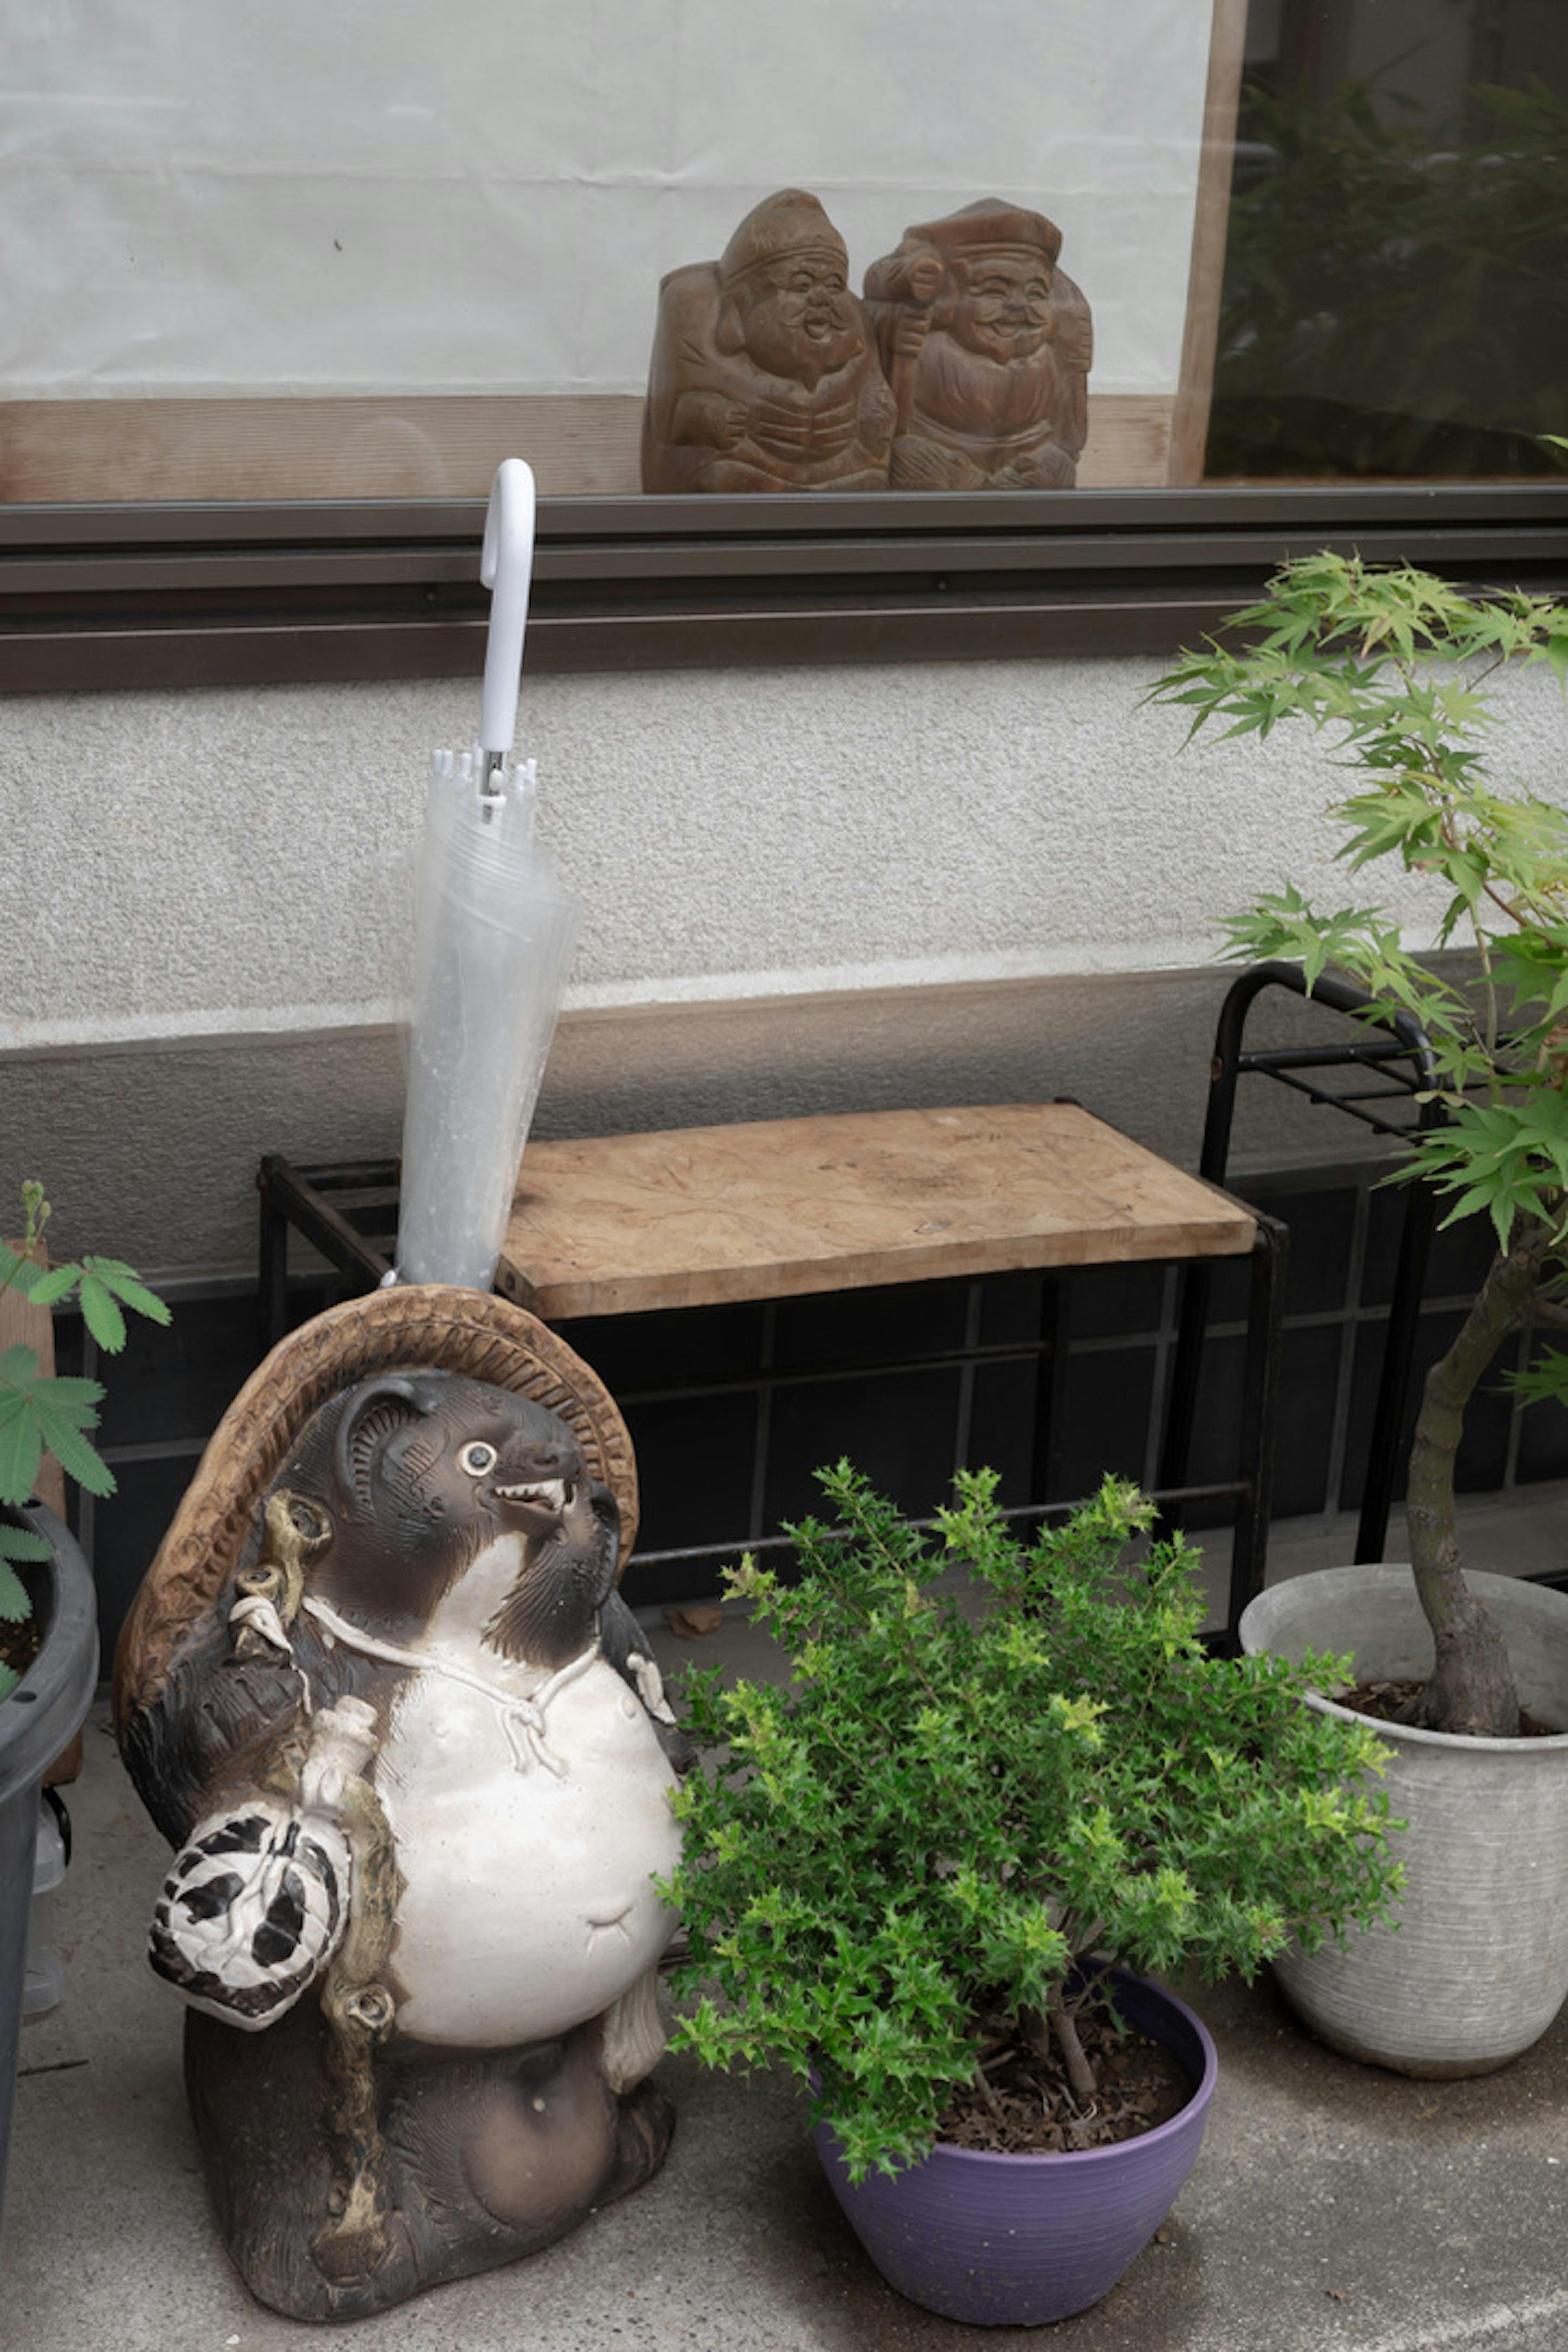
(494, 941)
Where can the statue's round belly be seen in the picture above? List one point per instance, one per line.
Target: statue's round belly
(526, 1902)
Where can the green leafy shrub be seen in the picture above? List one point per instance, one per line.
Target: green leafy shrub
(945, 1811)
(1394, 664)
(54, 1412)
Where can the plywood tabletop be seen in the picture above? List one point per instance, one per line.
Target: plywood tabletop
(708, 1215)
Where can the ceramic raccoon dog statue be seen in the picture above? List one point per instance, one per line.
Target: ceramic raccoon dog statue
(417, 1763)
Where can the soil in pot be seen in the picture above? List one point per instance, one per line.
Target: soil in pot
(1390, 1701)
(1025, 2105)
(19, 1641)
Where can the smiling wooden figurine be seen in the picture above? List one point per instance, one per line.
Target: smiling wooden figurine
(987, 343)
(381, 1694)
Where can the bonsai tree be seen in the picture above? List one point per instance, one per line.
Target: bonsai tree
(41, 1410)
(934, 1832)
(1392, 665)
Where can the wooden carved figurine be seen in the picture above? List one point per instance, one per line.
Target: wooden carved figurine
(381, 1694)
(986, 344)
(765, 373)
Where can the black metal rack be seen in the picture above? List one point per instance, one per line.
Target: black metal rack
(1394, 1079)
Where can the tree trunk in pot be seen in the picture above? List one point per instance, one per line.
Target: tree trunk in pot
(1471, 1687)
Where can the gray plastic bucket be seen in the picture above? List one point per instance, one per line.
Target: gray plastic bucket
(44, 1711)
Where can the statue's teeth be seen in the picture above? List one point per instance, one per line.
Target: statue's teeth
(550, 1492)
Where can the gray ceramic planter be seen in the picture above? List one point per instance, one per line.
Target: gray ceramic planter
(1477, 1966)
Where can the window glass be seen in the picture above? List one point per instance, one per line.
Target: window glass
(301, 251)
(365, 251)
(1395, 289)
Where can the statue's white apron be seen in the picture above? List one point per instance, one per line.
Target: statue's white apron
(529, 1812)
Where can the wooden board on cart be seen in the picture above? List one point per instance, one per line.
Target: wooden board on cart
(710, 1215)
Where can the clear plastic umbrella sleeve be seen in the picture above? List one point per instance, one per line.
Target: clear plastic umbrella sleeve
(494, 941)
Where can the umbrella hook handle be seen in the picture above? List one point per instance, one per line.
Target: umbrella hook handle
(506, 568)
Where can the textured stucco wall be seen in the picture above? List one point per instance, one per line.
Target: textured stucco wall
(802, 889)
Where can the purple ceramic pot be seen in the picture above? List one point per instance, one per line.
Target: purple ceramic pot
(1015, 2240)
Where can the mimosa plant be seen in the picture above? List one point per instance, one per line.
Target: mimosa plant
(43, 1412)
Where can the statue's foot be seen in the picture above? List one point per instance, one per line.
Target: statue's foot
(644, 2131)
(362, 2237)
(738, 476)
(921, 465)
(1049, 469)
(482, 2160)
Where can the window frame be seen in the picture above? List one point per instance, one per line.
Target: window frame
(95, 597)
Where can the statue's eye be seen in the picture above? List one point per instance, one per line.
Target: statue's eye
(477, 1458)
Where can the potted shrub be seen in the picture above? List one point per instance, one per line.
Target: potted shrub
(48, 1610)
(1391, 665)
(1001, 1778)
